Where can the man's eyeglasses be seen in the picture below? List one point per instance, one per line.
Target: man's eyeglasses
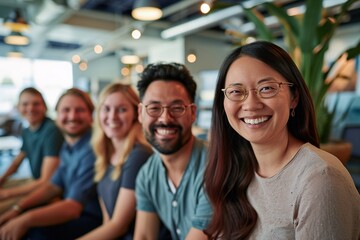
(175, 110)
(238, 93)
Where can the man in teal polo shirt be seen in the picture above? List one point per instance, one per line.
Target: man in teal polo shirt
(41, 144)
(169, 187)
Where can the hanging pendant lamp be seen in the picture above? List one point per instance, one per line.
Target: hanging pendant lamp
(17, 39)
(17, 24)
(146, 10)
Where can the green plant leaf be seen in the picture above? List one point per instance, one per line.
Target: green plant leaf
(289, 22)
(254, 16)
(290, 27)
(345, 7)
(353, 52)
(310, 23)
(324, 33)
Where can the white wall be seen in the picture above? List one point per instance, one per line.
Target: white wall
(172, 51)
(107, 67)
(210, 52)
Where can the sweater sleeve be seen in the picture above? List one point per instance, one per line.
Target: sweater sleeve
(327, 208)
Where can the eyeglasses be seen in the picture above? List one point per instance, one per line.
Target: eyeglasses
(238, 93)
(175, 110)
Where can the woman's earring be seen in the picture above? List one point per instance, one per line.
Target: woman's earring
(293, 112)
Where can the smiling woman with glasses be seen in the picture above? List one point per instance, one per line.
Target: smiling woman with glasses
(266, 177)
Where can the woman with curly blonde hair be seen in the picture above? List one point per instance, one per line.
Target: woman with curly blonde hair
(121, 150)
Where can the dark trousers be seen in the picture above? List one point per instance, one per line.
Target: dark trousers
(67, 231)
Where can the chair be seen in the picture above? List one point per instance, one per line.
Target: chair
(11, 127)
(351, 133)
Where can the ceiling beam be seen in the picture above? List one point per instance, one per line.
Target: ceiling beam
(207, 21)
(213, 19)
(201, 23)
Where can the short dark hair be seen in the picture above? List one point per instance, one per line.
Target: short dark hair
(167, 72)
(33, 91)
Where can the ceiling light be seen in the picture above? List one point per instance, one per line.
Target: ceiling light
(14, 54)
(76, 58)
(191, 57)
(139, 68)
(205, 7)
(16, 22)
(130, 59)
(125, 71)
(16, 38)
(136, 34)
(146, 10)
(83, 66)
(98, 49)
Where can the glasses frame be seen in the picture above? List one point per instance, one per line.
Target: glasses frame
(168, 107)
(256, 91)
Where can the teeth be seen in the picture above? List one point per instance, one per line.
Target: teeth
(113, 125)
(165, 131)
(254, 121)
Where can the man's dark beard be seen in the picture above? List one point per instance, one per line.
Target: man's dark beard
(150, 137)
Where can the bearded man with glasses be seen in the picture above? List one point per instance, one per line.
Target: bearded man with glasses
(169, 187)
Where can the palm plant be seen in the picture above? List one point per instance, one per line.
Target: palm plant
(307, 38)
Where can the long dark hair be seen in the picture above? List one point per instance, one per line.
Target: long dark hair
(232, 163)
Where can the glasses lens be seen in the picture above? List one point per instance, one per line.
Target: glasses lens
(268, 90)
(235, 93)
(154, 109)
(177, 110)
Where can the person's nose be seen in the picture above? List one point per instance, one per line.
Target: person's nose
(72, 114)
(112, 114)
(31, 107)
(252, 101)
(165, 115)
